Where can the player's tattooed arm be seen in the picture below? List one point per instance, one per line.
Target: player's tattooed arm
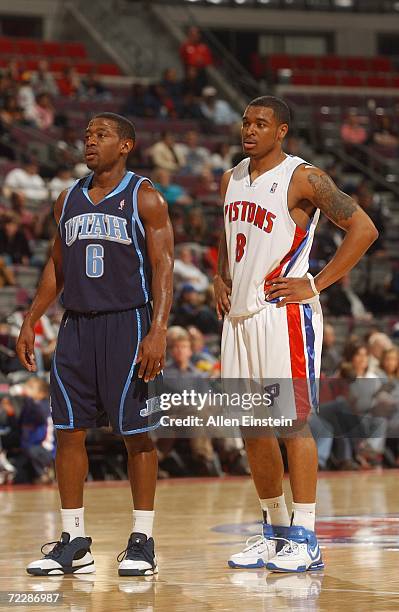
(312, 185)
(221, 280)
(50, 286)
(153, 211)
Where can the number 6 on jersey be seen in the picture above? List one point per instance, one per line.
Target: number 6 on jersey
(94, 260)
(240, 246)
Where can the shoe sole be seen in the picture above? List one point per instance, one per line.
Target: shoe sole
(259, 564)
(137, 572)
(61, 571)
(299, 570)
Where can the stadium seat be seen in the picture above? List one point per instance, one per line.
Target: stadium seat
(108, 69)
(280, 62)
(326, 79)
(26, 46)
(306, 62)
(52, 48)
(378, 81)
(75, 50)
(302, 78)
(349, 80)
(380, 64)
(58, 65)
(7, 45)
(332, 62)
(85, 67)
(356, 64)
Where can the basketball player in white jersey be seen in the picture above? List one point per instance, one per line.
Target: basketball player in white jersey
(272, 316)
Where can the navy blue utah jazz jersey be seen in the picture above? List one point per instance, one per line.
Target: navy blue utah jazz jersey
(105, 263)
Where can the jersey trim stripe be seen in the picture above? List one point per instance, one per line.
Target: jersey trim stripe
(135, 204)
(65, 394)
(298, 243)
(120, 187)
(298, 361)
(136, 244)
(310, 349)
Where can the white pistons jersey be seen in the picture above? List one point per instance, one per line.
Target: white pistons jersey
(263, 241)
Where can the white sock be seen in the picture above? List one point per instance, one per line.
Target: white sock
(143, 521)
(304, 515)
(275, 511)
(73, 522)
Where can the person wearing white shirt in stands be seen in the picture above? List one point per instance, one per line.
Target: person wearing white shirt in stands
(26, 181)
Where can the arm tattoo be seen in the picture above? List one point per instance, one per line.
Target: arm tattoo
(334, 203)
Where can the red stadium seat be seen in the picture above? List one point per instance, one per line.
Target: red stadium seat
(357, 64)
(279, 62)
(326, 79)
(84, 67)
(58, 66)
(52, 48)
(108, 69)
(302, 78)
(306, 62)
(332, 62)
(76, 50)
(378, 81)
(32, 64)
(380, 64)
(26, 46)
(395, 81)
(349, 80)
(7, 45)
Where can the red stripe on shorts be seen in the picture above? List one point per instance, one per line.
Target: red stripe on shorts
(298, 361)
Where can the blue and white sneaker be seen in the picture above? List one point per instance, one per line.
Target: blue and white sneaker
(66, 557)
(300, 553)
(259, 548)
(138, 558)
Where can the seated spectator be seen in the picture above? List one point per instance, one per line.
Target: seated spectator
(194, 52)
(14, 247)
(177, 219)
(172, 86)
(62, 180)
(330, 357)
(93, 88)
(378, 343)
(201, 356)
(69, 85)
(26, 181)
(192, 310)
(186, 272)
(11, 113)
(221, 158)
(25, 218)
(37, 432)
(352, 131)
(196, 226)
(141, 102)
(165, 155)
(173, 193)
(193, 83)
(8, 434)
(43, 81)
(342, 300)
(26, 95)
(217, 111)
(42, 112)
(70, 147)
(194, 157)
(385, 137)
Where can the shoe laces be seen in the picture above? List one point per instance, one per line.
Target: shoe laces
(135, 550)
(289, 547)
(55, 552)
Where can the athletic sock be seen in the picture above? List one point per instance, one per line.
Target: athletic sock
(304, 515)
(73, 522)
(275, 511)
(143, 521)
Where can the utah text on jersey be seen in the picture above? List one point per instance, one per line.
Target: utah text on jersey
(96, 225)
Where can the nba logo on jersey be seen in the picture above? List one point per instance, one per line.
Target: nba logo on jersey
(273, 187)
(121, 204)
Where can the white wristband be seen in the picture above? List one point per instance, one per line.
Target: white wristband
(313, 285)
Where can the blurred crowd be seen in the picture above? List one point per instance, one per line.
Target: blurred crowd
(186, 168)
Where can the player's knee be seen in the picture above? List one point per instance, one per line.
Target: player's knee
(140, 443)
(70, 439)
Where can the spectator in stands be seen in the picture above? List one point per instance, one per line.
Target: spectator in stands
(342, 300)
(26, 181)
(141, 102)
(186, 272)
(62, 180)
(378, 343)
(172, 192)
(192, 310)
(194, 52)
(14, 247)
(190, 108)
(42, 112)
(330, 357)
(196, 226)
(194, 157)
(221, 158)
(352, 131)
(37, 433)
(11, 113)
(201, 355)
(93, 88)
(172, 86)
(25, 218)
(43, 81)
(215, 110)
(69, 85)
(165, 155)
(193, 83)
(7, 278)
(378, 213)
(70, 147)
(26, 95)
(385, 137)
(177, 216)
(8, 425)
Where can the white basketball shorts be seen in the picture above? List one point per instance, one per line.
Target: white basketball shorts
(281, 345)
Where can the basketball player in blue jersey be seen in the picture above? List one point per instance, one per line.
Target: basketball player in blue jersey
(112, 256)
(272, 318)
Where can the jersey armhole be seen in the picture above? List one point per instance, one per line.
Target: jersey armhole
(68, 193)
(136, 216)
(294, 226)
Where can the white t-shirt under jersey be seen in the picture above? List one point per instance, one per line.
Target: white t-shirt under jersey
(263, 241)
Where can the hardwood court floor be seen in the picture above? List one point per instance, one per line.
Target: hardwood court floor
(199, 523)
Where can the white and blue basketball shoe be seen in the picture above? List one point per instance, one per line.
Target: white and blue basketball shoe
(300, 553)
(259, 549)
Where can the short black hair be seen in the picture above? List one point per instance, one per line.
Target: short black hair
(280, 108)
(124, 126)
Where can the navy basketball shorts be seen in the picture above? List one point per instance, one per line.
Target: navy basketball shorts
(93, 379)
